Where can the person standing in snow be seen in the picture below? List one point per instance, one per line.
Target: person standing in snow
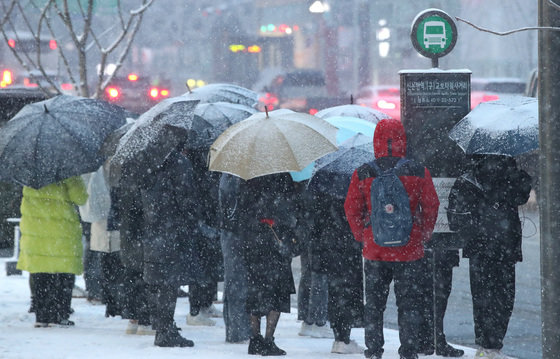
(267, 208)
(170, 215)
(236, 318)
(106, 243)
(51, 247)
(400, 263)
(483, 207)
(204, 291)
(338, 255)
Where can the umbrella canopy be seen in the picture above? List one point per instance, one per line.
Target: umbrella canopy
(363, 112)
(224, 92)
(55, 139)
(152, 137)
(274, 142)
(332, 173)
(112, 141)
(347, 127)
(212, 119)
(505, 127)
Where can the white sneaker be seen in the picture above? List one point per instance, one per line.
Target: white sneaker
(350, 348)
(145, 330)
(200, 319)
(212, 312)
(132, 327)
(305, 330)
(324, 331)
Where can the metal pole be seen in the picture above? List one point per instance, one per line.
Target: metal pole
(549, 169)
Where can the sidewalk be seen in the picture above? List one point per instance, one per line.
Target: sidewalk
(95, 336)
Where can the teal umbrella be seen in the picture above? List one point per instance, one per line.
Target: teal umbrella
(347, 127)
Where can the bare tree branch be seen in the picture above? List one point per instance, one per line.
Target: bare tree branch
(504, 33)
(554, 5)
(74, 16)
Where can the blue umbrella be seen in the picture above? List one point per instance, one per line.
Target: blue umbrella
(347, 127)
(333, 172)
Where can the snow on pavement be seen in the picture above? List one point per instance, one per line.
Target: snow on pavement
(95, 336)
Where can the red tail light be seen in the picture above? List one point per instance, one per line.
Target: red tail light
(132, 77)
(7, 78)
(487, 98)
(113, 92)
(53, 45)
(313, 111)
(164, 92)
(66, 87)
(386, 105)
(154, 93)
(27, 83)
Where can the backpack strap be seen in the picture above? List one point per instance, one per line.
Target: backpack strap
(399, 165)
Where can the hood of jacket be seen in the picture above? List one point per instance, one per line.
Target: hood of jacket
(389, 139)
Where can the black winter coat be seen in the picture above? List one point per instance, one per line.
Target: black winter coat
(483, 207)
(335, 251)
(170, 221)
(268, 260)
(207, 239)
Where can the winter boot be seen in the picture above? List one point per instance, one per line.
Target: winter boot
(270, 348)
(448, 351)
(256, 344)
(171, 338)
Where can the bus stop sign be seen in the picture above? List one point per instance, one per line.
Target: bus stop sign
(433, 33)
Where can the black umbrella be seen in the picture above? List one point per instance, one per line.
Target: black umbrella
(333, 172)
(224, 92)
(52, 140)
(212, 119)
(152, 137)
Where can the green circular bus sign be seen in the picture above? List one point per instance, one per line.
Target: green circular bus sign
(433, 33)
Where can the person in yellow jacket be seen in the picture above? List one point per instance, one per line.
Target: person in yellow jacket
(51, 246)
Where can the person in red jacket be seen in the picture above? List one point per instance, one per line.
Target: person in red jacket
(400, 264)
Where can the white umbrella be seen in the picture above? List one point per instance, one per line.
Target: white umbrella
(365, 113)
(273, 142)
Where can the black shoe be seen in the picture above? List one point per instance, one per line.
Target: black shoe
(256, 345)
(369, 354)
(448, 351)
(63, 323)
(171, 338)
(270, 348)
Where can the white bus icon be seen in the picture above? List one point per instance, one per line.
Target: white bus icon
(434, 34)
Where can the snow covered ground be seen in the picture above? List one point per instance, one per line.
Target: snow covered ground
(95, 336)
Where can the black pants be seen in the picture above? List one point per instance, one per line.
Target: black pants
(165, 300)
(201, 296)
(112, 283)
(408, 293)
(437, 278)
(136, 300)
(493, 295)
(53, 296)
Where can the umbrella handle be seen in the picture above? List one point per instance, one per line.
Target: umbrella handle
(274, 232)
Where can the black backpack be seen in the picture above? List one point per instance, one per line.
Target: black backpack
(391, 218)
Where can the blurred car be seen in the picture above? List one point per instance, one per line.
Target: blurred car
(37, 80)
(134, 93)
(490, 89)
(298, 90)
(384, 98)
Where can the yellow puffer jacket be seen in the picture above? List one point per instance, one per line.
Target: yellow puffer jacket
(51, 233)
